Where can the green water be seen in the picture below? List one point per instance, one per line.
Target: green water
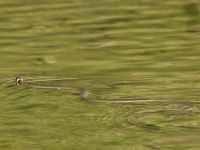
(138, 49)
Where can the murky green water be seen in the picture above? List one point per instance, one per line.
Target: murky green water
(118, 49)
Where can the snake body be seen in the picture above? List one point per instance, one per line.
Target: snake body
(83, 94)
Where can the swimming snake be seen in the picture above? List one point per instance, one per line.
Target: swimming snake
(83, 94)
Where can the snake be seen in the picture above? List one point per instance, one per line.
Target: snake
(84, 94)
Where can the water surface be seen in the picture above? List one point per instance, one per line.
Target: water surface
(118, 49)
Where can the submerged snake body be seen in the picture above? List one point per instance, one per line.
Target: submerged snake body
(83, 94)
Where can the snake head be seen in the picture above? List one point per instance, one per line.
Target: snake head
(18, 80)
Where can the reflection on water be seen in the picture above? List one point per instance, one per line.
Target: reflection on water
(192, 10)
(130, 49)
